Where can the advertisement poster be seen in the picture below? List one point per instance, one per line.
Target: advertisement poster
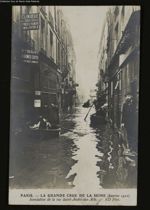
(74, 105)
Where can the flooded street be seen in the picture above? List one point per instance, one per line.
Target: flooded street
(74, 104)
(81, 156)
(86, 155)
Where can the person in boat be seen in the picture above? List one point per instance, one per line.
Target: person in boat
(43, 123)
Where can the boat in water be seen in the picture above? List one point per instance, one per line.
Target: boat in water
(87, 104)
(46, 133)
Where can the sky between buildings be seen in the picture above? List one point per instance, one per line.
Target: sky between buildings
(86, 24)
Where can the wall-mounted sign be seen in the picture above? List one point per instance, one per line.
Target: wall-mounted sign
(37, 93)
(30, 21)
(30, 56)
(37, 103)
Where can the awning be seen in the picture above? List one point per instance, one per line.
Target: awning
(129, 33)
(127, 37)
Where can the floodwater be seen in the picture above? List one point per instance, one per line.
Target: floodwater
(81, 156)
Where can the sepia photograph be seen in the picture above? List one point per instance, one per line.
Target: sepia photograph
(74, 105)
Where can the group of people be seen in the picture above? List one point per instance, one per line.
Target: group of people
(129, 120)
(48, 118)
(43, 123)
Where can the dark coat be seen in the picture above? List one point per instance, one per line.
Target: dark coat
(129, 117)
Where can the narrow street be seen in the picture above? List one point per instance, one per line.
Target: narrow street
(81, 156)
(74, 104)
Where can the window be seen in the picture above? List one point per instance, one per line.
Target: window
(116, 35)
(42, 33)
(116, 31)
(116, 11)
(51, 43)
(123, 11)
(43, 8)
(51, 38)
(51, 18)
(122, 18)
(27, 9)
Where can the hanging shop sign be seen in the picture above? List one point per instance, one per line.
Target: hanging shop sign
(30, 21)
(30, 56)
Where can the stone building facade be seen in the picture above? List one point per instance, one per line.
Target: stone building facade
(43, 62)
